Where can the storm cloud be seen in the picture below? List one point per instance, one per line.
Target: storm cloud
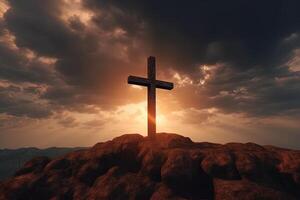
(233, 56)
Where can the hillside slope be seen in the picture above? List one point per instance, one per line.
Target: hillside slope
(172, 167)
(12, 159)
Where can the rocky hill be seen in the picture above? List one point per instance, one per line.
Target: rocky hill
(172, 167)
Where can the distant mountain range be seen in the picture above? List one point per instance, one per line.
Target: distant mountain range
(13, 159)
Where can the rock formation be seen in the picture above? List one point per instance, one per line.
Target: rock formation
(172, 167)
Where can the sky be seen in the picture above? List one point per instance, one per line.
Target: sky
(64, 66)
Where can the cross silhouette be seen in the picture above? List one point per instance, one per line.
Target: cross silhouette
(151, 83)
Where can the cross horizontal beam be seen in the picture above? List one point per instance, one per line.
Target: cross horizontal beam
(146, 82)
(164, 85)
(138, 81)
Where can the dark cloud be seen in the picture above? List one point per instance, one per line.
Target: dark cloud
(17, 68)
(252, 39)
(43, 34)
(14, 101)
(249, 41)
(88, 59)
(245, 33)
(252, 92)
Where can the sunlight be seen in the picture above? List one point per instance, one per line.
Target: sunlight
(137, 87)
(74, 8)
(182, 80)
(8, 39)
(294, 63)
(3, 8)
(137, 113)
(160, 121)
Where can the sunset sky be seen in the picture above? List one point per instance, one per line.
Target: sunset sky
(64, 66)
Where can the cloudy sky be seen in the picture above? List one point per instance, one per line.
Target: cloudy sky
(64, 67)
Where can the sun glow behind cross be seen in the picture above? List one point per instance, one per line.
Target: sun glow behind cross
(138, 116)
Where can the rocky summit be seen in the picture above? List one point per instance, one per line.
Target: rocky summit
(171, 167)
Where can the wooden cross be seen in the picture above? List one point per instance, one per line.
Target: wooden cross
(152, 84)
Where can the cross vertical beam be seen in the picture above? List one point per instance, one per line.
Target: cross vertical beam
(151, 83)
(151, 97)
